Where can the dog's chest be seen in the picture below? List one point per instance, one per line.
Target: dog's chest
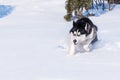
(79, 48)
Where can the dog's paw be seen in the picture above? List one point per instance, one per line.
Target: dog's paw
(71, 51)
(71, 54)
(87, 48)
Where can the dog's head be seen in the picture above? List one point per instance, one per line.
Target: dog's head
(80, 31)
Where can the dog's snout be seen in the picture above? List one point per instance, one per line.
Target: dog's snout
(74, 41)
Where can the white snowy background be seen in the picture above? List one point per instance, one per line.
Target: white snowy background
(34, 40)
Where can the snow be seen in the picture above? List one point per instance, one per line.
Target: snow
(34, 43)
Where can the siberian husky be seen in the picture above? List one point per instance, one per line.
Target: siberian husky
(83, 36)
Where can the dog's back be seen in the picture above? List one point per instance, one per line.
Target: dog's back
(85, 20)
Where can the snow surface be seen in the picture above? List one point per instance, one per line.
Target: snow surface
(34, 40)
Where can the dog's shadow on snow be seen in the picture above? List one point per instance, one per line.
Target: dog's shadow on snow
(5, 10)
(98, 45)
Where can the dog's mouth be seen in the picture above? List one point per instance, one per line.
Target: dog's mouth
(75, 42)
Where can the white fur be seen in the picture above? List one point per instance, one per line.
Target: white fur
(87, 44)
(86, 27)
(72, 49)
(83, 41)
(72, 46)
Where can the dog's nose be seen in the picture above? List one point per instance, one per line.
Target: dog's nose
(74, 41)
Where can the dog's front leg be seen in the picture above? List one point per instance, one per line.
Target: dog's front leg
(72, 45)
(87, 47)
(72, 49)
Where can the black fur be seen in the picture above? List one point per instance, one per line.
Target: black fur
(80, 26)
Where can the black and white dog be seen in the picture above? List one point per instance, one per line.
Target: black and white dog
(83, 36)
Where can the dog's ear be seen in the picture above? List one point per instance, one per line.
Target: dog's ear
(74, 23)
(87, 28)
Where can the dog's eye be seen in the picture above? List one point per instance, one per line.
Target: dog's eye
(78, 34)
(74, 34)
